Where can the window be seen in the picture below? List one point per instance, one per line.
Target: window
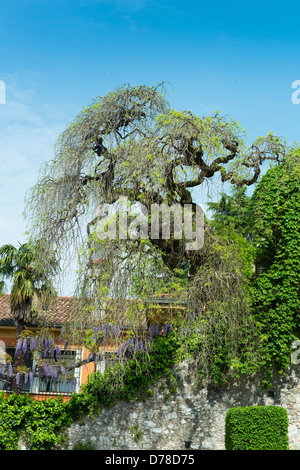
(108, 359)
(28, 362)
(48, 385)
(62, 385)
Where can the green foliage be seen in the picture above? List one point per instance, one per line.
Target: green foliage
(136, 432)
(265, 230)
(131, 380)
(275, 225)
(231, 211)
(37, 422)
(40, 424)
(256, 428)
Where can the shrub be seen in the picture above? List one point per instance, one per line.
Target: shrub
(256, 428)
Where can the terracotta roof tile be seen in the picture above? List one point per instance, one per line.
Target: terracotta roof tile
(57, 314)
(62, 312)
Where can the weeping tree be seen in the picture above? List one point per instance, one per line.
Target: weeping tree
(131, 146)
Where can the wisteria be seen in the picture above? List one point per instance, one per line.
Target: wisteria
(134, 345)
(105, 332)
(18, 378)
(131, 346)
(46, 365)
(59, 375)
(31, 377)
(156, 330)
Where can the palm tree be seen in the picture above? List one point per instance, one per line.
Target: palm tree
(29, 282)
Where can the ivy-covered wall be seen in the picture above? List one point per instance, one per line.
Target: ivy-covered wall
(193, 416)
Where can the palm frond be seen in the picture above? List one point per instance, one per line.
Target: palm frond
(28, 280)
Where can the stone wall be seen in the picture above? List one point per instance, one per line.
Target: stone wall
(193, 417)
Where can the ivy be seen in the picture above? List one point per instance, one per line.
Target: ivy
(37, 422)
(275, 226)
(265, 228)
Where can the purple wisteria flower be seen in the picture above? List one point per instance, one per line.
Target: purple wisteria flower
(46, 369)
(151, 331)
(10, 370)
(57, 351)
(24, 346)
(73, 385)
(19, 347)
(45, 343)
(91, 357)
(33, 343)
(18, 378)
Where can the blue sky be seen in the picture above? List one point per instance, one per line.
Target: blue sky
(57, 56)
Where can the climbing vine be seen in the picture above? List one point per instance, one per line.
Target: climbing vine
(275, 226)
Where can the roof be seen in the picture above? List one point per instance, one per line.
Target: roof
(57, 314)
(62, 311)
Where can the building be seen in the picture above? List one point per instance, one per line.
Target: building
(158, 310)
(54, 319)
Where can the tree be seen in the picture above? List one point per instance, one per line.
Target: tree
(231, 220)
(231, 211)
(131, 144)
(18, 265)
(32, 292)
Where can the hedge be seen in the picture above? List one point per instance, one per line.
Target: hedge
(256, 428)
